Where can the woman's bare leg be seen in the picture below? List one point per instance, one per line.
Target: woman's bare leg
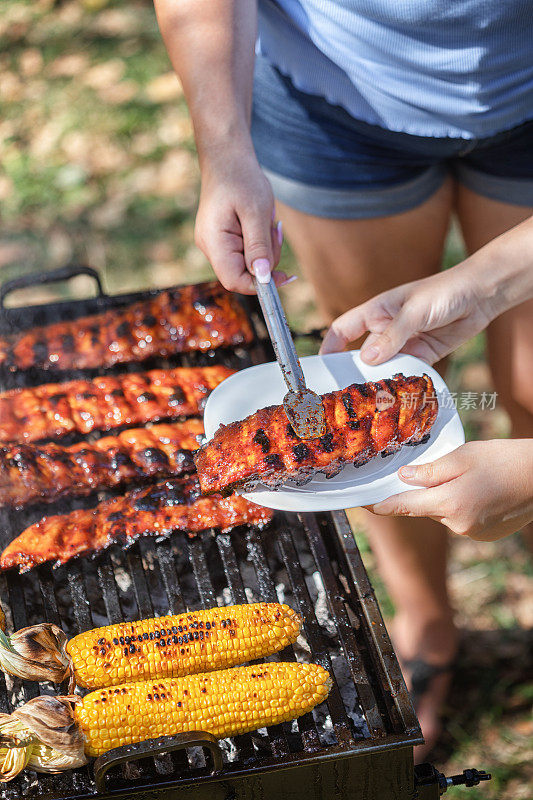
(349, 262)
(510, 337)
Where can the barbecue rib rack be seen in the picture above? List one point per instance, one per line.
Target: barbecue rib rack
(357, 744)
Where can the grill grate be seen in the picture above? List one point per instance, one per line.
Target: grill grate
(310, 561)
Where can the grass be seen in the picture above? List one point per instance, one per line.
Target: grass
(98, 165)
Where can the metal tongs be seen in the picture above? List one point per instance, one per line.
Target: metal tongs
(304, 408)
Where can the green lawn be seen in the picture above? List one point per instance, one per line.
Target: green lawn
(98, 164)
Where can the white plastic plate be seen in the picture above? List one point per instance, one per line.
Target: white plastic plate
(263, 385)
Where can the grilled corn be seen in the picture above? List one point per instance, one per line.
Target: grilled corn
(224, 703)
(164, 647)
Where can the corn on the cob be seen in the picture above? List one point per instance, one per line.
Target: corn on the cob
(224, 703)
(171, 646)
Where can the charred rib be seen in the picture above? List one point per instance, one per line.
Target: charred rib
(32, 472)
(52, 410)
(153, 511)
(359, 426)
(201, 317)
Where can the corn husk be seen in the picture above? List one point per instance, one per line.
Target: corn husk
(41, 735)
(36, 653)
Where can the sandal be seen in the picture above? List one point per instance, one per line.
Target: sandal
(422, 674)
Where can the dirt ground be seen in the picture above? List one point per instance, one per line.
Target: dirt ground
(98, 165)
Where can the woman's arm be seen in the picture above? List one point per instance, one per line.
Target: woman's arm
(211, 44)
(431, 317)
(483, 489)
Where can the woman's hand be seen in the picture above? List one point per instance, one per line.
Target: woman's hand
(431, 317)
(483, 489)
(427, 318)
(235, 226)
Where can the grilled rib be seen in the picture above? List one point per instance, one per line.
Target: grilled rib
(198, 317)
(31, 472)
(153, 511)
(361, 421)
(55, 409)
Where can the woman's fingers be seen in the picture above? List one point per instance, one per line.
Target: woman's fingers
(224, 252)
(222, 243)
(415, 503)
(345, 329)
(432, 501)
(379, 347)
(425, 348)
(434, 473)
(259, 248)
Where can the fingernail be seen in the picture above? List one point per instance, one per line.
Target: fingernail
(289, 280)
(279, 229)
(261, 268)
(407, 472)
(370, 353)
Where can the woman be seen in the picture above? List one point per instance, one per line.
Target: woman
(374, 121)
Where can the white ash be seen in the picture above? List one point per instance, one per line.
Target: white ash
(229, 749)
(250, 597)
(123, 580)
(321, 606)
(226, 597)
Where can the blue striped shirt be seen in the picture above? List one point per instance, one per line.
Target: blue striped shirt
(457, 68)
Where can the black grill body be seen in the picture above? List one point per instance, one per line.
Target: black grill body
(358, 744)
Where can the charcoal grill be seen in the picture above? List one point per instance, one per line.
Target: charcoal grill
(358, 744)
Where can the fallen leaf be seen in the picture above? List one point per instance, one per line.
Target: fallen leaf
(11, 88)
(102, 75)
(164, 89)
(166, 274)
(106, 157)
(45, 139)
(6, 187)
(159, 251)
(60, 247)
(143, 144)
(176, 173)
(77, 145)
(175, 128)
(70, 13)
(68, 66)
(118, 93)
(109, 214)
(141, 179)
(117, 22)
(30, 62)
(11, 251)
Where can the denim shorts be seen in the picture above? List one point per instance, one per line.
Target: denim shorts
(322, 161)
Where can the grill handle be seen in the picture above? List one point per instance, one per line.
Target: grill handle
(154, 747)
(54, 276)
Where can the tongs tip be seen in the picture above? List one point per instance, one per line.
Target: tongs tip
(305, 412)
(303, 407)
